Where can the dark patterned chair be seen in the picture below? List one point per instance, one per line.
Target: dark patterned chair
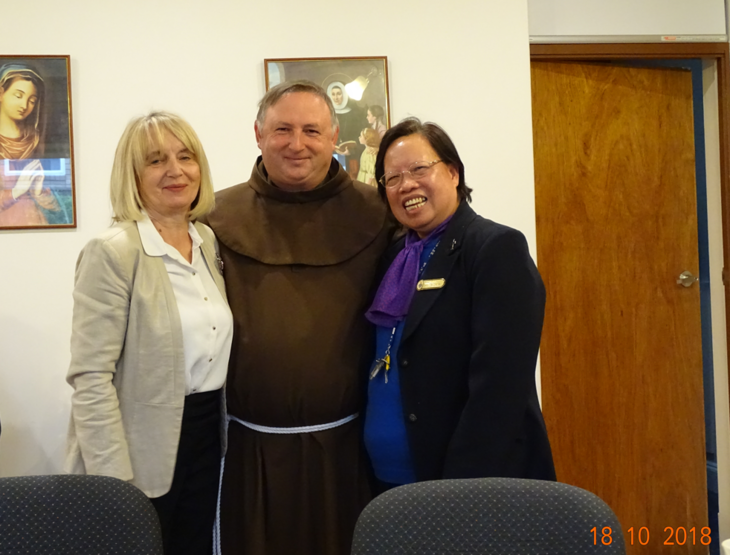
(487, 516)
(79, 515)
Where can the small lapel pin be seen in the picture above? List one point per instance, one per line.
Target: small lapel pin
(453, 244)
(219, 260)
(425, 284)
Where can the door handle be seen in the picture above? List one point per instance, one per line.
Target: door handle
(686, 279)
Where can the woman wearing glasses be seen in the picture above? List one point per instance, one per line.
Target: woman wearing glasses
(459, 313)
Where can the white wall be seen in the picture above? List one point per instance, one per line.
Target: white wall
(626, 20)
(465, 67)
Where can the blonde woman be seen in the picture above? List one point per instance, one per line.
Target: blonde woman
(151, 334)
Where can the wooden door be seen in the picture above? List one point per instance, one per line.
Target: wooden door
(621, 351)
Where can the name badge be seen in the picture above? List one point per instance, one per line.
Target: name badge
(425, 284)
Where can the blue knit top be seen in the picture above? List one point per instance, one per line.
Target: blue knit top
(385, 429)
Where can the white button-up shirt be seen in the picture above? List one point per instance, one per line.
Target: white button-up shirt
(206, 319)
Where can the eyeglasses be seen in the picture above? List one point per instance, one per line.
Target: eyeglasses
(417, 170)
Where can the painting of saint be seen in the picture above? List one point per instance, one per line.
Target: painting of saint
(36, 188)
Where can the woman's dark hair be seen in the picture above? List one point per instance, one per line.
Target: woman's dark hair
(377, 112)
(439, 141)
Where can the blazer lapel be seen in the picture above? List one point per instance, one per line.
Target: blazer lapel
(439, 267)
(211, 257)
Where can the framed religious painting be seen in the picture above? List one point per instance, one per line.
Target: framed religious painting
(358, 88)
(36, 143)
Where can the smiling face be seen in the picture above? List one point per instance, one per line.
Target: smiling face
(421, 204)
(170, 179)
(18, 100)
(297, 141)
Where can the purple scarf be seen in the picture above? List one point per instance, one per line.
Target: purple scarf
(396, 291)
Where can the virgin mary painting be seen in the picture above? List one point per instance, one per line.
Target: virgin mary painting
(26, 200)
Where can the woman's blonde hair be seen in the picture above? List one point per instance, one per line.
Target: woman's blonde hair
(371, 137)
(139, 138)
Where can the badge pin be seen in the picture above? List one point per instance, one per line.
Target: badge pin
(426, 284)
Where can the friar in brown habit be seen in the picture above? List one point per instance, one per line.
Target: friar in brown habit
(299, 244)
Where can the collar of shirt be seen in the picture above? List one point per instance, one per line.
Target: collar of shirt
(154, 245)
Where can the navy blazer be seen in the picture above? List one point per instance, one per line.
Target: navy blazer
(468, 353)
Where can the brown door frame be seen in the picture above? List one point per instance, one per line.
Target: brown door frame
(716, 51)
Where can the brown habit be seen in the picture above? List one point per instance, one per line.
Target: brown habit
(298, 269)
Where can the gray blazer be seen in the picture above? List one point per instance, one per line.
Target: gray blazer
(127, 362)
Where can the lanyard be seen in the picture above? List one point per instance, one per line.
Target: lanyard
(384, 362)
